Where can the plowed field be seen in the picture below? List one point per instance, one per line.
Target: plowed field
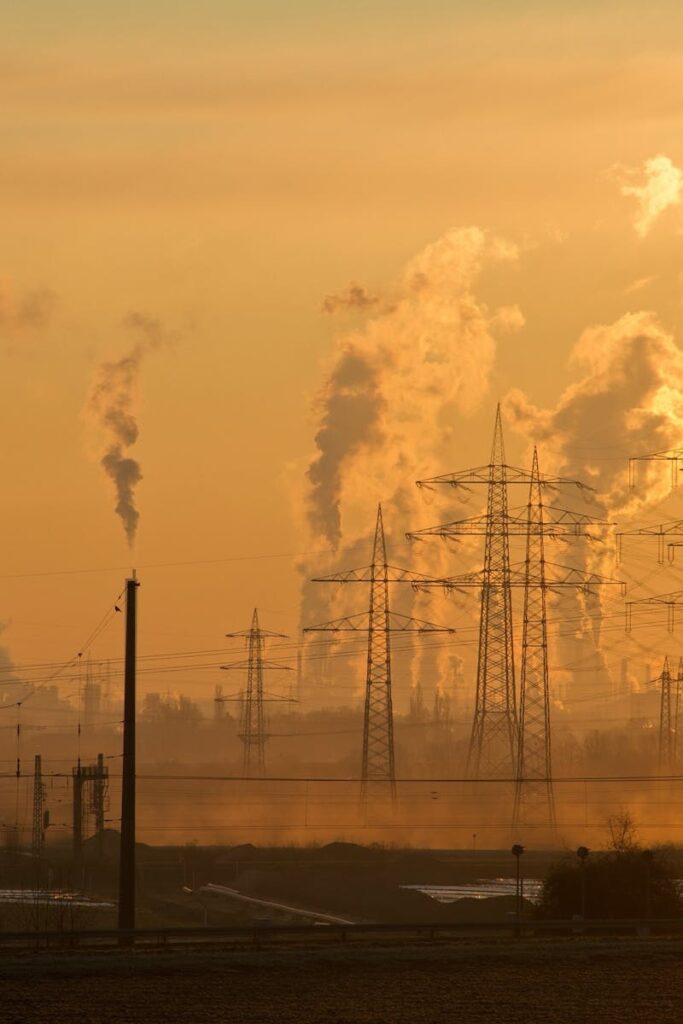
(530, 983)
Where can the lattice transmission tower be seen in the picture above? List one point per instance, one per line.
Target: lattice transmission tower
(669, 601)
(664, 532)
(38, 830)
(678, 710)
(534, 802)
(674, 456)
(667, 722)
(378, 763)
(253, 698)
(493, 747)
(534, 794)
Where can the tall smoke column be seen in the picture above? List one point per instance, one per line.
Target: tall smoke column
(110, 403)
(390, 395)
(629, 399)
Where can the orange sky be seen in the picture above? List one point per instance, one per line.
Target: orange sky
(222, 170)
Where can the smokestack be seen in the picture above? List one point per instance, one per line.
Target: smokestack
(127, 856)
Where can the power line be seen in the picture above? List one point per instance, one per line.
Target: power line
(161, 565)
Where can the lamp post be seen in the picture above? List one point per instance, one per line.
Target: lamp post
(582, 854)
(517, 852)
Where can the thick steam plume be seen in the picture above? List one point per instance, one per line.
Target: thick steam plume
(385, 409)
(628, 401)
(381, 410)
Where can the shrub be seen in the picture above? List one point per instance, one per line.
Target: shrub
(621, 883)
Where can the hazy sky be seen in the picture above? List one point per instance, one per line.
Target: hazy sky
(221, 168)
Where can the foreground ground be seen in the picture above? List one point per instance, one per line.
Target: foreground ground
(580, 981)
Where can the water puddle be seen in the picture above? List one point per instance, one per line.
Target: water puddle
(51, 898)
(482, 889)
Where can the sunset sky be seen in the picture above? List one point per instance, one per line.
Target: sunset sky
(221, 169)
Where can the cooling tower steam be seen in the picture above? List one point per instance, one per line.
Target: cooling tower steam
(381, 409)
(627, 401)
(385, 410)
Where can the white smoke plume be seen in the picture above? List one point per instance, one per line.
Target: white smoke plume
(110, 405)
(660, 189)
(628, 401)
(381, 409)
(386, 408)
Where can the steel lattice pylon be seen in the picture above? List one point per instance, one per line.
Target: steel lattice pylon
(667, 722)
(38, 831)
(495, 746)
(669, 601)
(494, 730)
(662, 531)
(252, 700)
(677, 712)
(378, 721)
(378, 759)
(492, 749)
(534, 798)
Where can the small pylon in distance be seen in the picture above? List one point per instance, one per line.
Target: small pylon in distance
(252, 700)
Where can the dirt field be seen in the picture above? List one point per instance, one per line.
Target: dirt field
(526, 983)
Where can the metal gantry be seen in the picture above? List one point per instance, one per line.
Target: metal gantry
(378, 757)
(253, 698)
(95, 777)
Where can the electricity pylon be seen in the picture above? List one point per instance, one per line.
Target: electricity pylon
(667, 733)
(674, 456)
(493, 748)
(378, 759)
(534, 795)
(677, 711)
(534, 802)
(669, 601)
(253, 698)
(662, 531)
(38, 831)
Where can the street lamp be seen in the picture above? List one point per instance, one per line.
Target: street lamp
(582, 854)
(517, 852)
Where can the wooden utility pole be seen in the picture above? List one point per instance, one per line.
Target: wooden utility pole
(127, 856)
